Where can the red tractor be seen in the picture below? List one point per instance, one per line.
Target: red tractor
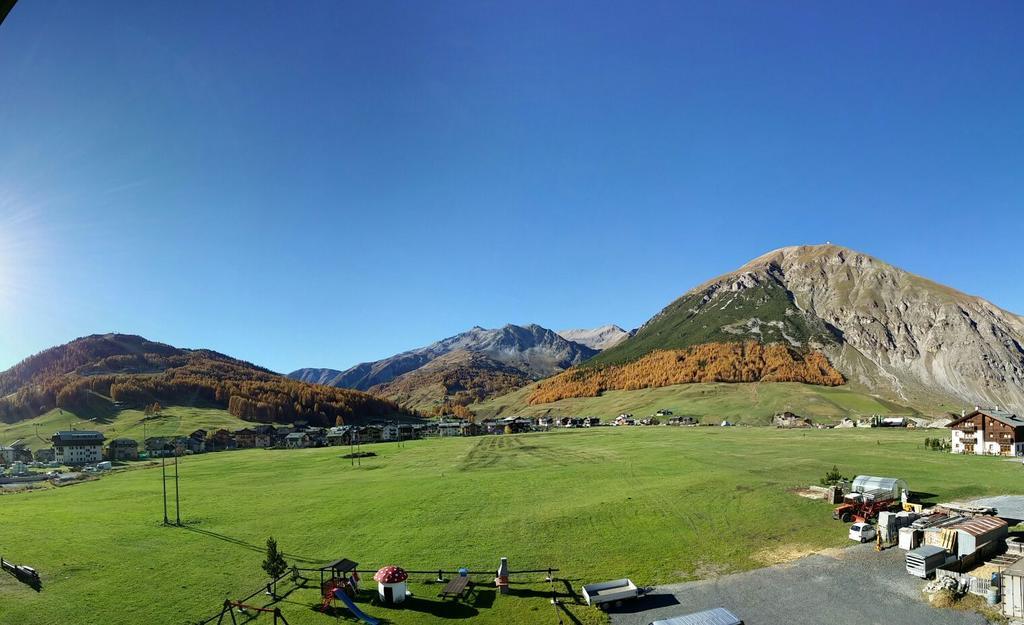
(862, 507)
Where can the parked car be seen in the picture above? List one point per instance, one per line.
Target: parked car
(862, 532)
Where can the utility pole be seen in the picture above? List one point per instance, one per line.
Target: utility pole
(177, 502)
(163, 475)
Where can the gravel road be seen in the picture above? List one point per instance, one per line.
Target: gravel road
(855, 586)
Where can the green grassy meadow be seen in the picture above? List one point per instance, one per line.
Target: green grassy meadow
(750, 403)
(657, 504)
(172, 421)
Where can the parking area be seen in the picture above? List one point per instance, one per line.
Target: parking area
(855, 586)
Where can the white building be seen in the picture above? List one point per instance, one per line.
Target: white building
(75, 447)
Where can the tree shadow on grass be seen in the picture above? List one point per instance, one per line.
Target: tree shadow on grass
(250, 546)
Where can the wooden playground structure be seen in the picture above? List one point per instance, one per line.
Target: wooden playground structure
(339, 580)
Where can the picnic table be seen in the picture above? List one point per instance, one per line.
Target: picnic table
(456, 588)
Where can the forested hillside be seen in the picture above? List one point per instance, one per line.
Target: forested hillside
(710, 362)
(98, 374)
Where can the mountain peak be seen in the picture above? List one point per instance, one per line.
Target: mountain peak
(599, 338)
(904, 337)
(532, 350)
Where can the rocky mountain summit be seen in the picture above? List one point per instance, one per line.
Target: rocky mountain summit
(898, 335)
(599, 338)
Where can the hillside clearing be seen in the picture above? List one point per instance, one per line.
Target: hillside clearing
(661, 505)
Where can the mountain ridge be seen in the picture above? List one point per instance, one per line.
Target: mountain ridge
(97, 374)
(897, 334)
(505, 358)
(599, 338)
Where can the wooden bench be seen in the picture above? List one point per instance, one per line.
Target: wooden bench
(456, 588)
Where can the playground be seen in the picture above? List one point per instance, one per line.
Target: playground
(344, 594)
(657, 505)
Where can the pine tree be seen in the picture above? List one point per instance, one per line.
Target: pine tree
(274, 565)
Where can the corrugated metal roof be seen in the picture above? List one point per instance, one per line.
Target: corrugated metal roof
(717, 616)
(981, 525)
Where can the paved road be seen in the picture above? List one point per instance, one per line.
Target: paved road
(855, 587)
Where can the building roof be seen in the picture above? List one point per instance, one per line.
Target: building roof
(391, 575)
(981, 525)
(125, 442)
(1002, 416)
(297, 435)
(82, 437)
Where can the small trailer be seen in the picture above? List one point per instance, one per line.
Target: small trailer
(613, 593)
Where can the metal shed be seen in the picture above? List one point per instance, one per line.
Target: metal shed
(1012, 580)
(716, 616)
(977, 532)
(867, 483)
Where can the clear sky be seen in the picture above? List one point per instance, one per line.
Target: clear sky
(321, 183)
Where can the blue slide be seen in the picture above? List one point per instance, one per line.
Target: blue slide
(353, 608)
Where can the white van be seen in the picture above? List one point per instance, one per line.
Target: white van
(862, 532)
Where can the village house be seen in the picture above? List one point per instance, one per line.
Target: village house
(339, 435)
(17, 451)
(988, 432)
(121, 449)
(297, 440)
(371, 433)
(245, 438)
(158, 446)
(457, 428)
(197, 444)
(76, 447)
(220, 440)
(397, 432)
(516, 425)
(188, 445)
(45, 454)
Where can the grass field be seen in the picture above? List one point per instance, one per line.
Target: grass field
(657, 504)
(172, 421)
(741, 403)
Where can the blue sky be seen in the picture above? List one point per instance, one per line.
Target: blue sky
(334, 182)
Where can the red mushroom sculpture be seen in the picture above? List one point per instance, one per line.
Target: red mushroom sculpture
(391, 583)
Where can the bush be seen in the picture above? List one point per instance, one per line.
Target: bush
(833, 477)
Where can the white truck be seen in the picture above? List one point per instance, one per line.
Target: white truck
(604, 594)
